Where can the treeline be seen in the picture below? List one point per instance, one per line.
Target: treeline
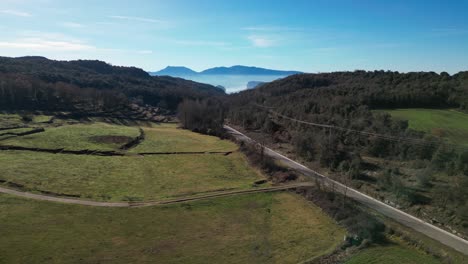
(202, 116)
(19, 92)
(59, 81)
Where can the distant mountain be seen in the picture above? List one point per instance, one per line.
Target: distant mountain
(254, 84)
(221, 87)
(245, 70)
(180, 71)
(175, 71)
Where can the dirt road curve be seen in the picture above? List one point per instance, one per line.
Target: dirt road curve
(408, 220)
(151, 203)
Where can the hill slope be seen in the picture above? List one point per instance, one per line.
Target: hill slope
(342, 134)
(41, 84)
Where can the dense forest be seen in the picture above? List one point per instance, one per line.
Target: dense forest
(36, 83)
(346, 100)
(343, 103)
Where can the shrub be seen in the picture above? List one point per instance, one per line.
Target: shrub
(424, 178)
(27, 118)
(304, 145)
(205, 116)
(366, 227)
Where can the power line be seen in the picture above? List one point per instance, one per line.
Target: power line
(415, 141)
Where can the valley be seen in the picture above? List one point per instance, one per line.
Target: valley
(233, 132)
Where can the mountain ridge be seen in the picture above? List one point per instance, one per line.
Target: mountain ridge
(178, 70)
(233, 70)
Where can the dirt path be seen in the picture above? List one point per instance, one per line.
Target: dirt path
(43, 197)
(110, 153)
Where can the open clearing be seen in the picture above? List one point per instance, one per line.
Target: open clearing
(129, 177)
(124, 178)
(9, 120)
(259, 228)
(91, 136)
(450, 124)
(169, 138)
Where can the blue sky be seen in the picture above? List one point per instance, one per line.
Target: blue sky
(311, 36)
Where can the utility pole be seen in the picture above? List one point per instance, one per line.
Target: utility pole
(262, 151)
(346, 176)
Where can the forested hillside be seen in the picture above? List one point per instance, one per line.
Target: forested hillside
(36, 83)
(341, 131)
(347, 98)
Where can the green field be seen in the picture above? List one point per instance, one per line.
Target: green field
(450, 124)
(169, 138)
(395, 253)
(118, 178)
(131, 177)
(16, 130)
(41, 118)
(93, 136)
(9, 120)
(256, 228)
(260, 228)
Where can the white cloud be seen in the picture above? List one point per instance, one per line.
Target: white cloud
(38, 44)
(60, 46)
(47, 35)
(72, 25)
(261, 41)
(139, 19)
(15, 13)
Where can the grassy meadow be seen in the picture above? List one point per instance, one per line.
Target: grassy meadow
(10, 120)
(390, 254)
(255, 228)
(128, 177)
(131, 177)
(450, 124)
(169, 138)
(93, 136)
(258, 228)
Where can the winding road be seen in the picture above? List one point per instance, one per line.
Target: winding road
(408, 220)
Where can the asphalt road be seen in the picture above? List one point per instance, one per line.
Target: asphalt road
(408, 220)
